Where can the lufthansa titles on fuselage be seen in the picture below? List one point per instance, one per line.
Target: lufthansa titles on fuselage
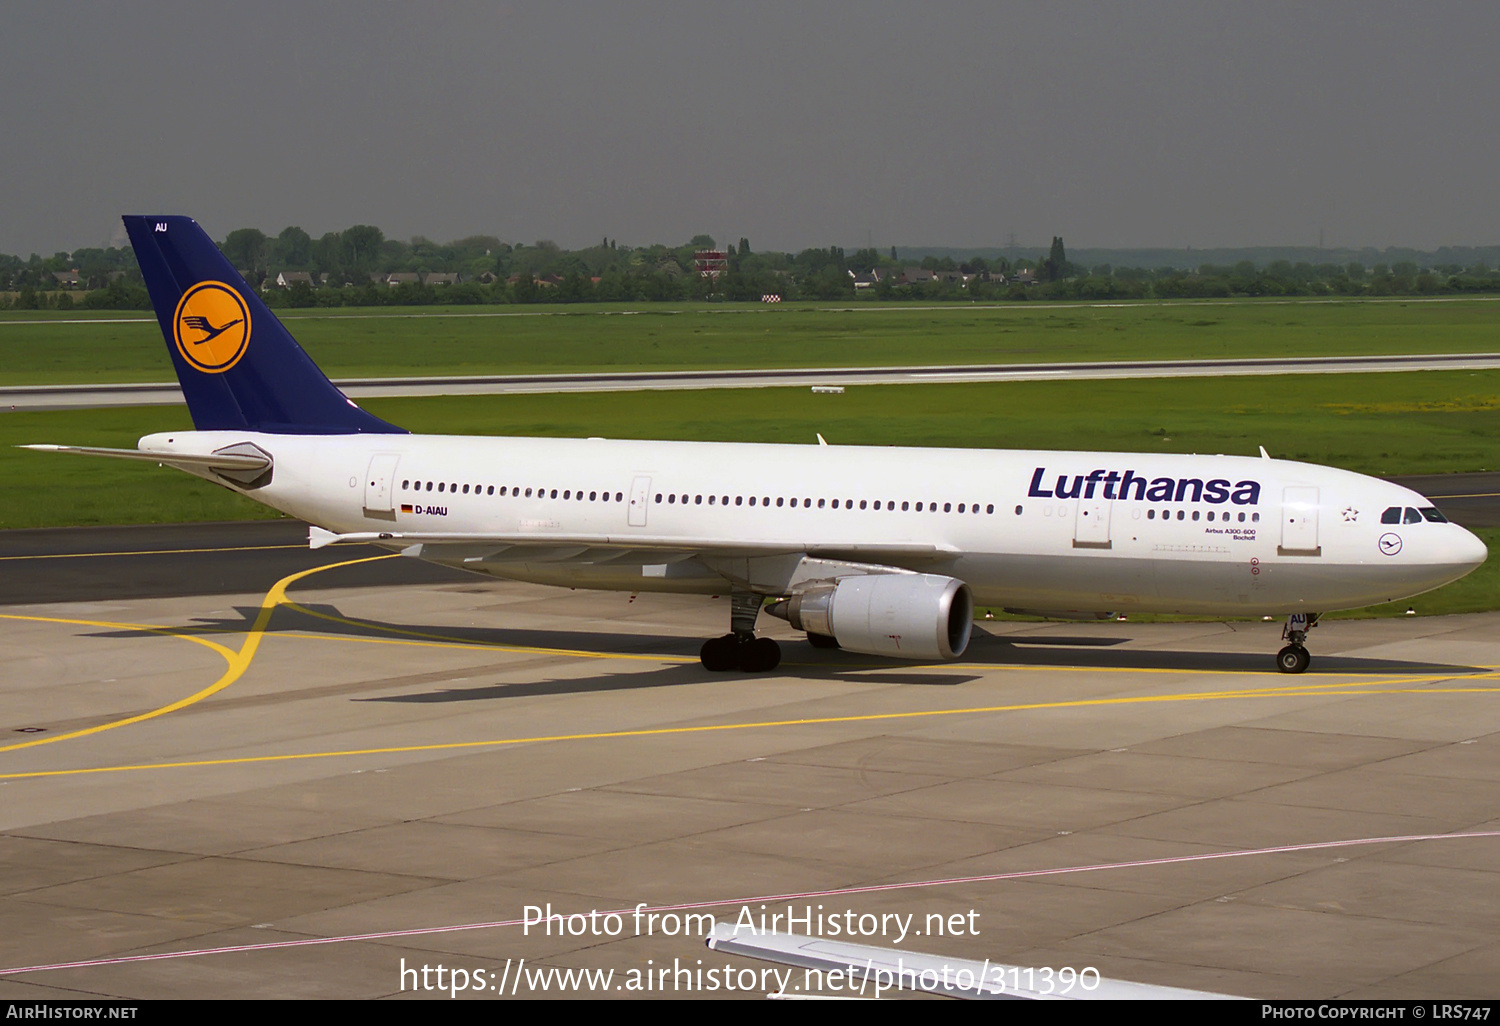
(1112, 484)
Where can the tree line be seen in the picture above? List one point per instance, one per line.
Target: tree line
(350, 268)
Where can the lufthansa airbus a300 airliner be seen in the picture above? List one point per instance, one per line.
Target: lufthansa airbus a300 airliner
(882, 551)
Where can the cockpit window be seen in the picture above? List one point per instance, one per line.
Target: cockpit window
(1433, 515)
(1412, 516)
(1392, 515)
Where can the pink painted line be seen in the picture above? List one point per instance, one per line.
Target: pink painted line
(794, 896)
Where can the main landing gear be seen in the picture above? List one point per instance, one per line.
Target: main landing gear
(1294, 658)
(741, 649)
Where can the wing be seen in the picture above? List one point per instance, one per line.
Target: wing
(880, 969)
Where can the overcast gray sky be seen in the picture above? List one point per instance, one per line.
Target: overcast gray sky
(795, 124)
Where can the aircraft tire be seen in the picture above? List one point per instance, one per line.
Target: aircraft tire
(759, 655)
(720, 654)
(1292, 659)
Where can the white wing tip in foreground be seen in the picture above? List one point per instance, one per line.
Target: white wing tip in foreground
(886, 969)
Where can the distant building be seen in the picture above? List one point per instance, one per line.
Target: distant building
(711, 263)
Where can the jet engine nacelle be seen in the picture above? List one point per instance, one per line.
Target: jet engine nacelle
(908, 616)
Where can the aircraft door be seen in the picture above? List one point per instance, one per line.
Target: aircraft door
(1299, 522)
(1091, 526)
(380, 484)
(640, 499)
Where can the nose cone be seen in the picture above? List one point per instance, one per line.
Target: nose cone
(1468, 551)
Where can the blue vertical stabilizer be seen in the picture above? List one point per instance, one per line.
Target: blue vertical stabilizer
(239, 366)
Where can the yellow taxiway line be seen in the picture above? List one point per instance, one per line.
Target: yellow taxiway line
(1313, 691)
(239, 661)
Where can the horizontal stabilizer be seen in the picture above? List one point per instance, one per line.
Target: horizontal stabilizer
(210, 461)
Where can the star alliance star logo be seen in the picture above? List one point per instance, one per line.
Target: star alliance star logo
(1351, 515)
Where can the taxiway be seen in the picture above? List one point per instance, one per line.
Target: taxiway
(300, 789)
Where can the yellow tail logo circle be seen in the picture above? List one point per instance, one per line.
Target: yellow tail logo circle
(211, 327)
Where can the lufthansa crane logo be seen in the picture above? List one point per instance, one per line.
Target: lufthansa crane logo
(212, 327)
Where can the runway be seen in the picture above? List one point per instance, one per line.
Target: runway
(302, 789)
(1472, 500)
(44, 397)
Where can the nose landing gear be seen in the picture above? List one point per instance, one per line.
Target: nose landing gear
(1294, 658)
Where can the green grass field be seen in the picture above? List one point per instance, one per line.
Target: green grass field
(52, 347)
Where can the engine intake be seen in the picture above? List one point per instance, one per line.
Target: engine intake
(908, 616)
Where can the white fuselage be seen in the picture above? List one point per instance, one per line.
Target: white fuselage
(1062, 532)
